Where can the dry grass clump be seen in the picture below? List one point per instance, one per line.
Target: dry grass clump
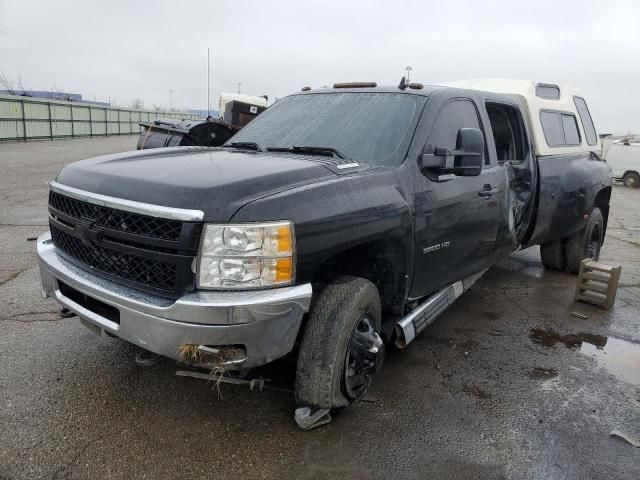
(215, 362)
(190, 354)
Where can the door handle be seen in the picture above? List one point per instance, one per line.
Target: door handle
(487, 191)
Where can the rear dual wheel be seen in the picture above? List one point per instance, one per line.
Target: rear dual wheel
(568, 253)
(586, 243)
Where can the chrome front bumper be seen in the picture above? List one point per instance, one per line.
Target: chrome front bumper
(266, 322)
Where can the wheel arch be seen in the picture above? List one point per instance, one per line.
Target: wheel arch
(601, 201)
(383, 262)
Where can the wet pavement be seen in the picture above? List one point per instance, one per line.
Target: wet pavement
(506, 384)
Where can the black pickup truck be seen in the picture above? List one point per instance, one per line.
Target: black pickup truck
(338, 221)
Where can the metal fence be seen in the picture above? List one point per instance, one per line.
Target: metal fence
(25, 118)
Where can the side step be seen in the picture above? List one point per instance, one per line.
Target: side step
(416, 321)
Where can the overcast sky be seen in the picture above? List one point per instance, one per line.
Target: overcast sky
(127, 49)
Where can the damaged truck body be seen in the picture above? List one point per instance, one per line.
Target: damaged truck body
(338, 221)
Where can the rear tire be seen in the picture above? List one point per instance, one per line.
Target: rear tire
(631, 179)
(553, 255)
(587, 242)
(341, 349)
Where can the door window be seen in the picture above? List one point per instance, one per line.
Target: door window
(454, 115)
(508, 132)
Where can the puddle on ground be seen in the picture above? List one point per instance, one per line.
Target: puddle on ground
(549, 338)
(619, 357)
(543, 373)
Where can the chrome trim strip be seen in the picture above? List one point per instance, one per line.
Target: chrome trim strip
(347, 165)
(169, 213)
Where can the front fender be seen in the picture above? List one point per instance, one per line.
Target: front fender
(339, 214)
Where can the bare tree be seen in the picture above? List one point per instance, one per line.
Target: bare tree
(13, 87)
(7, 84)
(60, 94)
(21, 89)
(137, 104)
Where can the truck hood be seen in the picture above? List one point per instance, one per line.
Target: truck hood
(216, 181)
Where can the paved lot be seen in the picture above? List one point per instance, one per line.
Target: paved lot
(506, 384)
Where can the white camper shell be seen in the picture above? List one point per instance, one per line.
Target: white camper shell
(558, 114)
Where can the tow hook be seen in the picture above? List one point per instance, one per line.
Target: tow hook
(64, 312)
(146, 358)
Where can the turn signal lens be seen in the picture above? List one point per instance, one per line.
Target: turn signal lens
(284, 270)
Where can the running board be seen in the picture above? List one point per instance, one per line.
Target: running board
(416, 321)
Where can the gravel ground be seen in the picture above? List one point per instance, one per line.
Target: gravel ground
(506, 384)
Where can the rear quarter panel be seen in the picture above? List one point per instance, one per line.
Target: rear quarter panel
(568, 186)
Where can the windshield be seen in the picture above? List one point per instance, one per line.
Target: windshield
(365, 127)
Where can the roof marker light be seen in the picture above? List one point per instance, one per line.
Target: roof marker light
(355, 85)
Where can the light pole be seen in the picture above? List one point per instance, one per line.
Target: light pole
(239, 87)
(170, 99)
(408, 69)
(208, 85)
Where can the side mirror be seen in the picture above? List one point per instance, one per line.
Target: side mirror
(466, 160)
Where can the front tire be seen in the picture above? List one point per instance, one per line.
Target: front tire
(341, 348)
(587, 242)
(631, 179)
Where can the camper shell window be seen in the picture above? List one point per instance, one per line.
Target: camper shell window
(548, 92)
(560, 128)
(587, 122)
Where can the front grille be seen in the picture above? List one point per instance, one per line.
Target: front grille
(147, 272)
(116, 219)
(145, 252)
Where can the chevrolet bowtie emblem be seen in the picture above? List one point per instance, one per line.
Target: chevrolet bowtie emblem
(88, 234)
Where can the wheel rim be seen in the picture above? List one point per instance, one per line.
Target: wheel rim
(364, 357)
(593, 247)
(630, 181)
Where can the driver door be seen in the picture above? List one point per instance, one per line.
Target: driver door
(456, 217)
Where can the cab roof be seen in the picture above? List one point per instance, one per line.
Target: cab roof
(536, 97)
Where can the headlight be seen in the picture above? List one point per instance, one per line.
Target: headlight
(251, 255)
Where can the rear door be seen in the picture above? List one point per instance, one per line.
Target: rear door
(456, 217)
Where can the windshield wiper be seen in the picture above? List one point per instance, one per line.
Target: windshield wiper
(329, 151)
(246, 145)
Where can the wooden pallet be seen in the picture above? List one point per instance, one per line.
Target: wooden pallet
(597, 283)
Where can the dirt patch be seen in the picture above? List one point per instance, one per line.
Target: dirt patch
(476, 392)
(490, 315)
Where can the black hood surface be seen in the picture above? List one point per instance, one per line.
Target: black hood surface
(216, 181)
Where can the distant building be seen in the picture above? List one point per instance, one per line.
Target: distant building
(203, 113)
(60, 96)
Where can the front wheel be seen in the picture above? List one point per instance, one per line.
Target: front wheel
(631, 179)
(341, 348)
(587, 242)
